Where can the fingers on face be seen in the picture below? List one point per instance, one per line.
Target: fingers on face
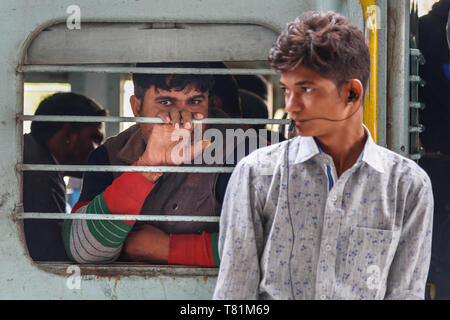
(164, 116)
(198, 126)
(198, 116)
(176, 117)
(187, 119)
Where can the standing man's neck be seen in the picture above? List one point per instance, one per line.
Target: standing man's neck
(343, 146)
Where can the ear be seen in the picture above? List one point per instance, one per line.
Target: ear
(135, 103)
(215, 101)
(60, 143)
(352, 92)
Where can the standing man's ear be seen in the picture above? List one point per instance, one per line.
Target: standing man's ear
(352, 91)
(135, 105)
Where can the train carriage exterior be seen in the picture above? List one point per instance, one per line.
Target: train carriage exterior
(88, 43)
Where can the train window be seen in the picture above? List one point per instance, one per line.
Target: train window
(99, 68)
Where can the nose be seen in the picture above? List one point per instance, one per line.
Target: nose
(292, 103)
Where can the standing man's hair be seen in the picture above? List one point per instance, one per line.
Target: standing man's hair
(326, 43)
(64, 104)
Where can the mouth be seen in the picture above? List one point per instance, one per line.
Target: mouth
(299, 121)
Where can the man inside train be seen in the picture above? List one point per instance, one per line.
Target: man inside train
(65, 143)
(177, 100)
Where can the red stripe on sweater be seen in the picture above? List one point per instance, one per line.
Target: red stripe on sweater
(78, 205)
(127, 193)
(191, 249)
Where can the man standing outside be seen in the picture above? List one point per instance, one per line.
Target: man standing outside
(328, 214)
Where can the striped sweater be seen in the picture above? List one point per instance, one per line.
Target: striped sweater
(101, 241)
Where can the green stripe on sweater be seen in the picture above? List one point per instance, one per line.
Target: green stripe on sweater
(215, 248)
(111, 234)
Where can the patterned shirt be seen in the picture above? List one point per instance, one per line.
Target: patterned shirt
(293, 230)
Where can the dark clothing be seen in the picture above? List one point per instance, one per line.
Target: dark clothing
(43, 192)
(436, 137)
(435, 94)
(439, 274)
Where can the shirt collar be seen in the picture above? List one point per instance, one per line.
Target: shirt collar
(308, 148)
(372, 154)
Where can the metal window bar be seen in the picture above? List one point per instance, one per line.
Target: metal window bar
(150, 70)
(90, 216)
(121, 69)
(112, 168)
(147, 119)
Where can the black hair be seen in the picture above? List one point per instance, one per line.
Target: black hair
(253, 106)
(142, 81)
(64, 104)
(227, 89)
(254, 83)
(325, 42)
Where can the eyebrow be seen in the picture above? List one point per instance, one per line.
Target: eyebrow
(299, 83)
(197, 96)
(175, 99)
(165, 98)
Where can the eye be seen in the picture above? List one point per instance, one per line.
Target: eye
(285, 90)
(307, 89)
(196, 101)
(165, 102)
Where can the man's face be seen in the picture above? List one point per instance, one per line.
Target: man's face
(309, 96)
(172, 102)
(83, 140)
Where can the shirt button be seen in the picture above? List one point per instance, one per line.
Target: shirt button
(323, 297)
(334, 198)
(328, 248)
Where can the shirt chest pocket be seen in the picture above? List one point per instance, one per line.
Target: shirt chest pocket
(367, 261)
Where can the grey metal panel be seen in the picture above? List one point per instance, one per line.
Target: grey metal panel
(397, 135)
(92, 44)
(108, 68)
(382, 72)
